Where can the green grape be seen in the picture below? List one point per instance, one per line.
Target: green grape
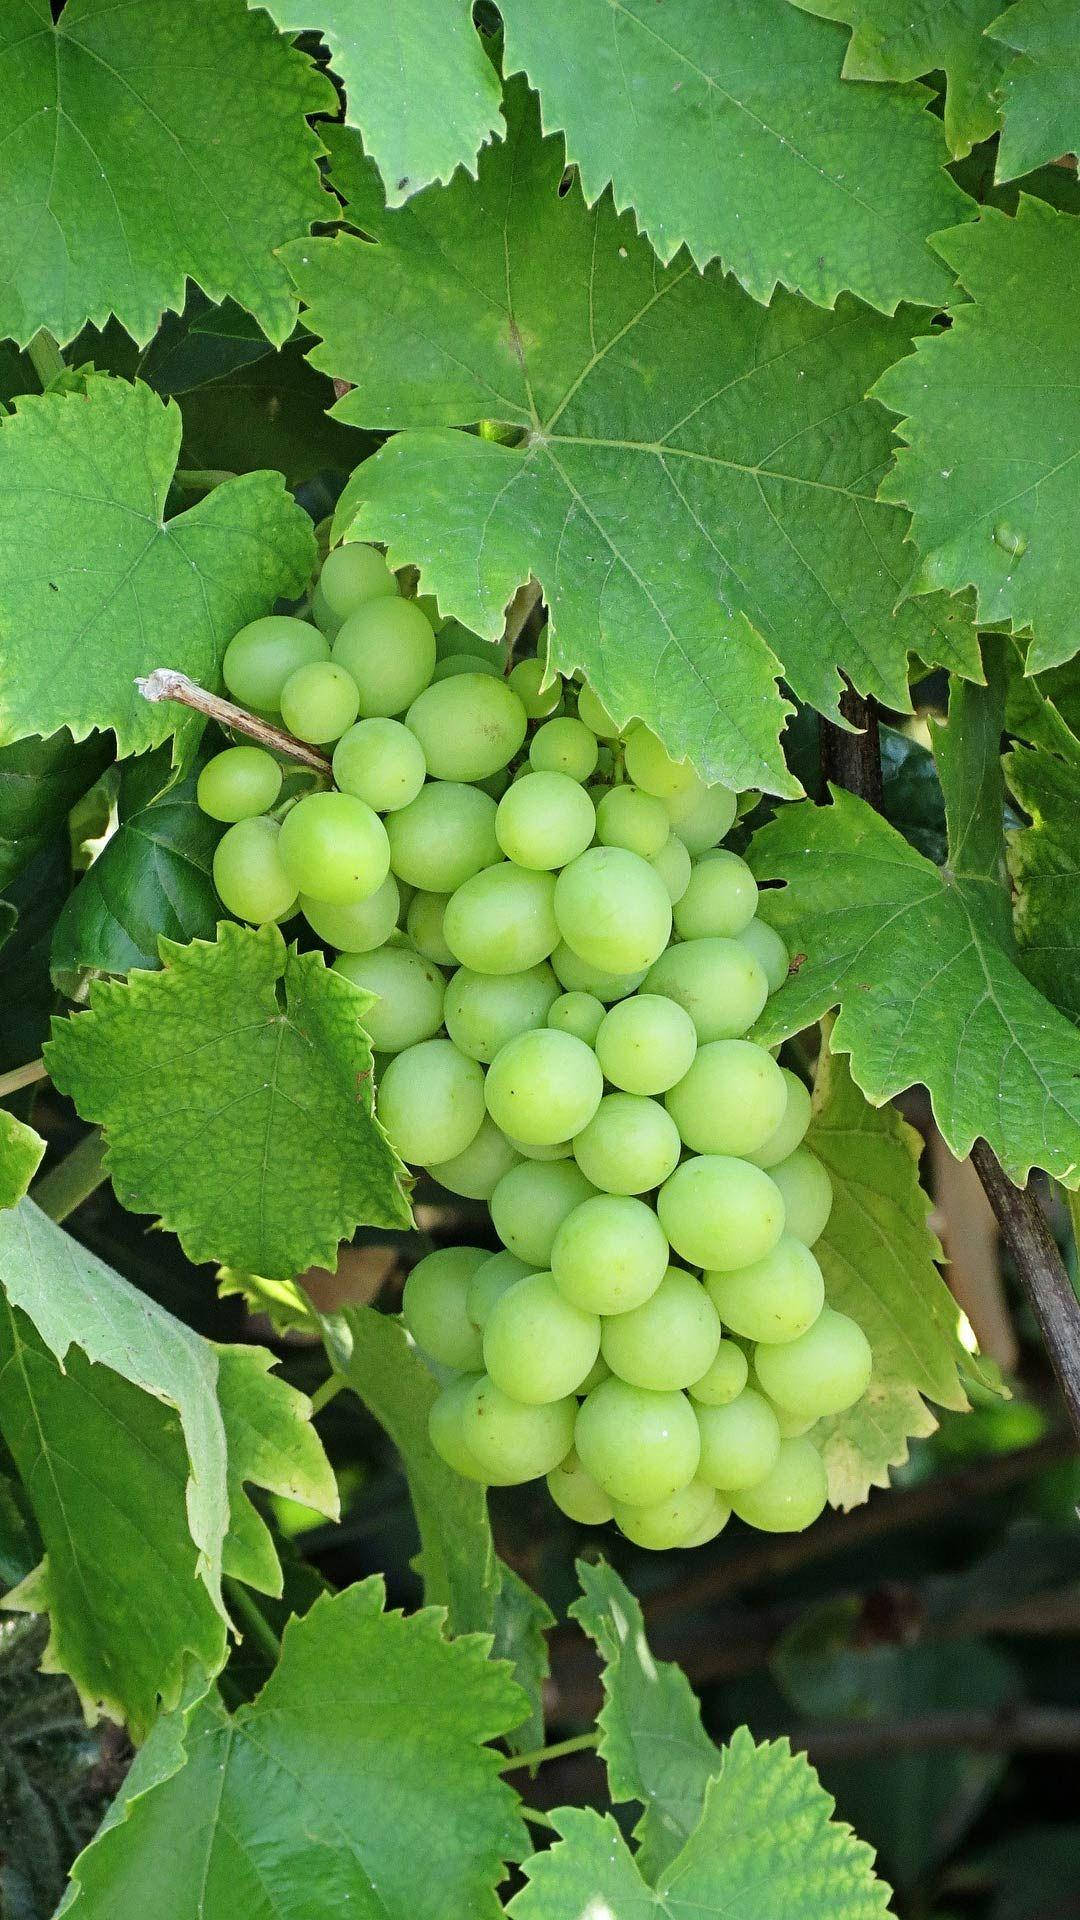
(429, 607)
(238, 784)
(714, 1522)
(784, 1139)
(446, 1428)
(544, 820)
(740, 1443)
(731, 1098)
(502, 920)
(433, 1306)
(476, 1171)
(609, 1254)
(646, 1044)
(319, 702)
(775, 1298)
(409, 996)
(721, 985)
(483, 1011)
(577, 1494)
(824, 1371)
(495, 784)
(531, 1202)
(579, 976)
(527, 681)
(543, 1086)
(453, 638)
(789, 1497)
(443, 837)
(351, 575)
(721, 898)
(359, 927)
(468, 726)
(381, 762)
(595, 716)
(513, 1442)
(334, 848)
(629, 1146)
(651, 767)
(559, 1150)
(666, 1523)
(537, 1347)
(640, 1447)
(249, 873)
(566, 746)
(597, 1372)
(667, 1342)
(704, 822)
(720, 1213)
(807, 1192)
(259, 659)
(389, 648)
(451, 664)
(791, 1425)
(768, 950)
(674, 866)
(612, 909)
(424, 926)
(626, 817)
(724, 1380)
(499, 1273)
(577, 1013)
(431, 1102)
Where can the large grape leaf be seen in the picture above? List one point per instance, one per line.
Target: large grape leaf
(901, 39)
(234, 1089)
(991, 418)
(97, 586)
(725, 125)
(358, 1781)
(1046, 879)
(693, 472)
(40, 781)
(417, 82)
(1041, 86)
(144, 144)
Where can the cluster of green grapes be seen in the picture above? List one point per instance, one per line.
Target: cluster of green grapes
(565, 963)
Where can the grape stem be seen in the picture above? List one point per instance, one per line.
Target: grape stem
(578, 1743)
(73, 1179)
(45, 357)
(22, 1077)
(166, 684)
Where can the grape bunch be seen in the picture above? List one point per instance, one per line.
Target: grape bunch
(565, 964)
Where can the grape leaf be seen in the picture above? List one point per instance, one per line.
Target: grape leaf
(1041, 87)
(1044, 708)
(135, 159)
(1046, 883)
(694, 486)
(40, 781)
(992, 426)
(234, 1089)
(894, 41)
(417, 82)
(735, 136)
(98, 587)
(21, 1150)
(521, 1620)
(291, 1806)
(921, 960)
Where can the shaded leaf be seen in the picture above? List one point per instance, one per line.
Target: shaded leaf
(1043, 865)
(40, 781)
(1041, 86)
(521, 1620)
(21, 1150)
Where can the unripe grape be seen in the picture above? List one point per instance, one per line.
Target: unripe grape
(409, 996)
(502, 920)
(720, 1213)
(544, 820)
(674, 865)
(640, 1447)
(566, 746)
(824, 1371)
(714, 1522)
(446, 1428)
(361, 925)
(577, 1494)
(579, 976)
(650, 766)
(334, 848)
(537, 1345)
(594, 715)
(559, 1150)
(629, 1146)
(667, 1342)
(626, 817)
(720, 899)
(238, 784)
(443, 837)
(351, 575)
(543, 1086)
(768, 950)
(530, 1204)
(476, 1171)
(453, 638)
(577, 1013)
(249, 873)
(787, 1136)
(431, 1102)
(740, 1443)
(667, 1523)
(807, 1192)
(259, 659)
(424, 926)
(527, 681)
(646, 1043)
(319, 702)
(433, 1306)
(381, 762)
(731, 1098)
(609, 1254)
(612, 909)
(724, 1380)
(773, 1299)
(511, 1441)
(449, 665)
(496, 1276)
(719, 982)
(389, 648)
(701, 822)
(791, 1495)
(469, 726)
(597, 1372)
(483, 1011)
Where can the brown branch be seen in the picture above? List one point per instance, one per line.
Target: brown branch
(853, 760)
(1020, 1729)
(1042, 1272)
(166, 684)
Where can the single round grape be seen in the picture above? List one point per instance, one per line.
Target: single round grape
(449, 665)
(424, 926)
(453, 638)
(351, 575)
(720, 1213)
(739, 1443)
(626, 817)
(566, 746)
(446, 1428)
(629, 1146)
(719, 982)
(731, 1098)
(389, 648)
(612, 909)
(639, 1446)
(667, 1342)
(511, 1441)
(429, 607)
(559, 1150)
(791, 1425)
(496, 784)
(443, 837)
(319, 702)
(784, 1139)
(597, 1372)
(360, 926)
(531, 1202)
(579, 976)
(499, 1272)
(768, 950)
(527, 681)
(468, 726)
(543, 1086)
(651, 767)
(381, 762)
(335, 848)
(433, 1306)
(807, 1192)
(714, 1522)
(674, 865)
(577, 1494)
(502, 920)
(791, 1495)
(537, 1346)
(238, 784)
(775, 1298)
(702, 823)
(259, 659)
(646, 1044)
(409, 996)
(595, 716)
(609, 1254)
(724, 1380)
(475, 1173)
(431, 1102)
(544, 820)
(720, 899)
(666, 1523)
(249, 873)
(577, 1013)
(483, 1011)
(824, 1371)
